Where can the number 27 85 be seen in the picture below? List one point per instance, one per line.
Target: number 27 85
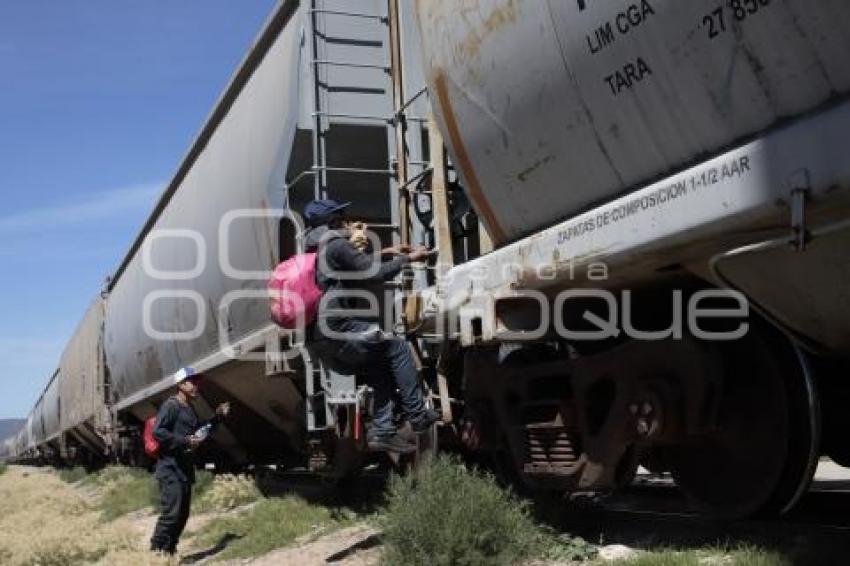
(739, 10)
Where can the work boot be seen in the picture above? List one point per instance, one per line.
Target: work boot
(425, 421)
(389, 443)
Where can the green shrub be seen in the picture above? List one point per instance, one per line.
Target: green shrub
(109, 475)
(742, 555)
(73, 475)
(560, 547)
(125, 490)
(203, 481)
(754, 556)
(445, 514)
(3, 468)
(270, 524)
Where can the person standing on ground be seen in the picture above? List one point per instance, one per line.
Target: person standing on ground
(178, 432)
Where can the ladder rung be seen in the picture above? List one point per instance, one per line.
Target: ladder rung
(353, 116)
(351, 14)
(415, 179)
(353, 170)
(297, 178)
(350, 64)
(411, 100)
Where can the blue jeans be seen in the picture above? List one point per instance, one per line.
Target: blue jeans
(369, 352)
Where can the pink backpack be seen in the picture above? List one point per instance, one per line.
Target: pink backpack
(293, 292)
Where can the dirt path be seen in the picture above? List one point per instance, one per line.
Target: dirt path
(352, 546)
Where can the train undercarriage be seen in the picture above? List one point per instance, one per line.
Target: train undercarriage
(736, 425)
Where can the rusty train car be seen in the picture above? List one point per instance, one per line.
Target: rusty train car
(595, 176)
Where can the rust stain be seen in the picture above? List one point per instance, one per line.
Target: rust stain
(501, 16)
(498, 18)
(464, 162)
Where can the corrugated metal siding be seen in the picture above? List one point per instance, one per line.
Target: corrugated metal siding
(551, 107)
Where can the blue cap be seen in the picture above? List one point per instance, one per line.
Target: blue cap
(185, 373)
(318, 212)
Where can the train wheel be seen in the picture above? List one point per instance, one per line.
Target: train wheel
(762, 454)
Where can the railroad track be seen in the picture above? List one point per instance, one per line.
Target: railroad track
(653, 514)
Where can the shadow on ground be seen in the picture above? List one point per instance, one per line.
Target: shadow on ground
(212, 551)
(362, 495)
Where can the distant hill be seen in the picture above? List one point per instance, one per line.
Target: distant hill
(9, 427)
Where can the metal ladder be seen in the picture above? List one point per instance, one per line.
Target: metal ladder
(321, 114)
(324, 389)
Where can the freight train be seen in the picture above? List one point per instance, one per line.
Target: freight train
(641, 211)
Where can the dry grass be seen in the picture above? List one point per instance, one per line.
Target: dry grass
(73, 475)
(709, 556)
(124, 490)
(46, 522)
(266, 526)
(62, 520)
(226, 492)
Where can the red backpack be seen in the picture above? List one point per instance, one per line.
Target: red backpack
(149, 440)
(293, 293)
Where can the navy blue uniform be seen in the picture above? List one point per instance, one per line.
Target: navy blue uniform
(175, 471)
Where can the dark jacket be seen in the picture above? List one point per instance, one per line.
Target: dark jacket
(340, 256)
(175, 422)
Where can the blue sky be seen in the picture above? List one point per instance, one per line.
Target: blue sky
(99, 100)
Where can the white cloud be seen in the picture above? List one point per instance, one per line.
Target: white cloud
(99, 206)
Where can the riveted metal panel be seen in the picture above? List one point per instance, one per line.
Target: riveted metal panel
(554, 106)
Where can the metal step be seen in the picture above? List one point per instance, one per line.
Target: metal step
(350, 64)
(353, 116)
(353, 170)
(381, 18)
